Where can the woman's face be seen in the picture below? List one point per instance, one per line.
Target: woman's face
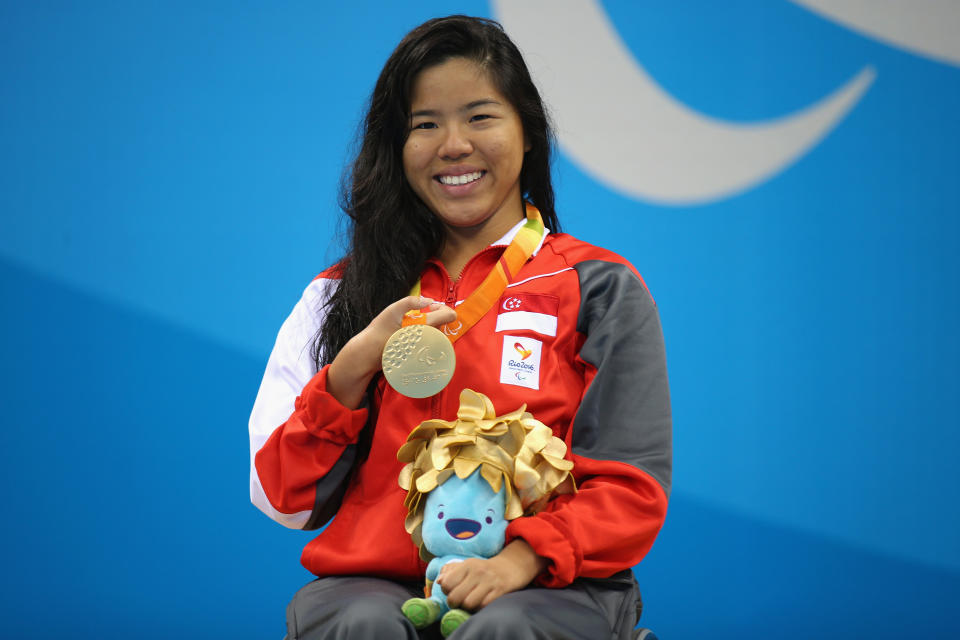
(465, 150)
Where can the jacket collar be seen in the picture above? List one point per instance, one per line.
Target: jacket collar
(508, 237)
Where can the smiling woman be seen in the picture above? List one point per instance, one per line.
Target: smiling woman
(450, 197)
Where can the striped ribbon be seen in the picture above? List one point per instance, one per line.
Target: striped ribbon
(486, 295)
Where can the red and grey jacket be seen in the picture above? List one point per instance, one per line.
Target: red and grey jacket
(575, 336)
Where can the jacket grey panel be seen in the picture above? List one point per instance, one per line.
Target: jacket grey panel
(625, 413)
(330, 489)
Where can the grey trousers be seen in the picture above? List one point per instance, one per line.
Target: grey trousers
(365, 608)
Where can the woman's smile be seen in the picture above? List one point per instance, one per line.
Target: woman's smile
(455, 180)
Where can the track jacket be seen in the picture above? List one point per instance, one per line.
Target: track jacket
(575, 336)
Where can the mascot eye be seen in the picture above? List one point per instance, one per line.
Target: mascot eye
(440, 515)
(489, 520)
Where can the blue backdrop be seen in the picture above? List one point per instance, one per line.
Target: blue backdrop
(784, 178)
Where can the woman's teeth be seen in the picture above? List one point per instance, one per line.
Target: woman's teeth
(463, 179)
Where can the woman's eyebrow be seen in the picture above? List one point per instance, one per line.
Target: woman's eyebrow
(478, 103)
(430, 113)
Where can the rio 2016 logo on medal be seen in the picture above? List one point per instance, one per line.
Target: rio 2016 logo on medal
(418, 361)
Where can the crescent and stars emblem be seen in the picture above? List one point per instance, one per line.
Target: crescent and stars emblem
(511, 304)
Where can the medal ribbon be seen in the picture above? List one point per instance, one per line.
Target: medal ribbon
(483, 298)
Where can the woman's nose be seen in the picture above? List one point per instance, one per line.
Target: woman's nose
(455, 145)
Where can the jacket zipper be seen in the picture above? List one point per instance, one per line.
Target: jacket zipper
(451, 299)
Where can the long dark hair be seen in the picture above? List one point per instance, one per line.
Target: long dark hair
(392, 233)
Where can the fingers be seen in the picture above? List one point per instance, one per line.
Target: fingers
(451, 580)
(471, 584)
(472, 596)
(436, 313)
(440, 314)
(409, 303)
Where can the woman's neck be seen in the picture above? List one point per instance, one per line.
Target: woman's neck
(462, 243)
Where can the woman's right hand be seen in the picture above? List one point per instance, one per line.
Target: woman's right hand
(359, 360)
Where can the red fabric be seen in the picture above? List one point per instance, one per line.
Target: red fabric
(306, 446)
(607, 526)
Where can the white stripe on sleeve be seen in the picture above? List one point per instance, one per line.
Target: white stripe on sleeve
(289, 368)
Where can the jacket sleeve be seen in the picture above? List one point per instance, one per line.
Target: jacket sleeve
(620, 440)
(301, 438)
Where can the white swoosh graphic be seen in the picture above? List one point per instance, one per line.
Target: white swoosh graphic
(930, 28)
(620, 126)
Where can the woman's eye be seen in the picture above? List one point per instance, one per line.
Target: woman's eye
(480, 116)
(425, 125)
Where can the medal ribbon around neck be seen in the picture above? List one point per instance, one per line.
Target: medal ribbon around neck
(524, 243)
(419, 360)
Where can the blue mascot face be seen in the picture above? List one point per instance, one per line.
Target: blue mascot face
(464, 518)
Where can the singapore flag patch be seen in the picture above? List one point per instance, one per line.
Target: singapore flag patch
(531, 311)
(520, 363)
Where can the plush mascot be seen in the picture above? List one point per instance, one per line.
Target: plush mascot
(465, 481)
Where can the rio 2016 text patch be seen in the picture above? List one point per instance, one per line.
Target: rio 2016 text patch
(520, 363)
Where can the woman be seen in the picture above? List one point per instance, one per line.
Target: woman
(456, 140)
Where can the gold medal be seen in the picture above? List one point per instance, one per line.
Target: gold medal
(418, 361)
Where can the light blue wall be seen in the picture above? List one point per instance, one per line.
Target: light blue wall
(168, 179)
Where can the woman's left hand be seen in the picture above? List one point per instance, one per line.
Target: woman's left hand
(476, 582)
